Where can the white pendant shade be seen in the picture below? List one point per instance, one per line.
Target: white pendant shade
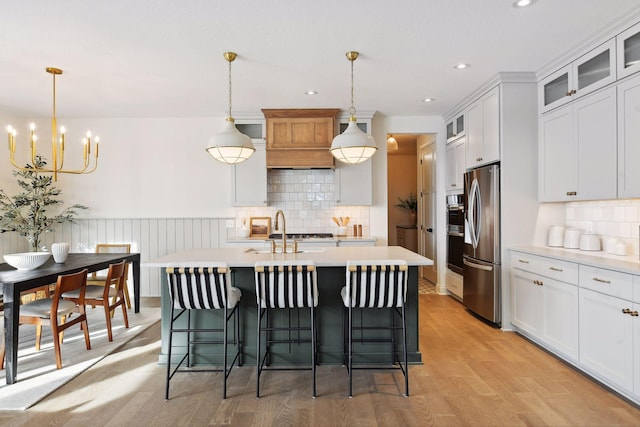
(230, 146)
(353, 146)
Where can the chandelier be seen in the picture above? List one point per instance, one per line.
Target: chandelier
(353, 146)
(230, 146)
(57, 144)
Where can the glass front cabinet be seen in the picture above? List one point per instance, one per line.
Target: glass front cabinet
(455, 127)
(590, 72)
(628, 51)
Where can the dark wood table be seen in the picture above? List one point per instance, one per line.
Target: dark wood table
(15, 281)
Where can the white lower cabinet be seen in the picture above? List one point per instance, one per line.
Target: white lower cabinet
(585, 314)
(606, 338)
(546, 309)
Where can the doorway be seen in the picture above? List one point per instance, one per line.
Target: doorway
(411, 171)
(427, 208)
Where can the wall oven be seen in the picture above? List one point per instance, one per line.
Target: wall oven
(455, 232)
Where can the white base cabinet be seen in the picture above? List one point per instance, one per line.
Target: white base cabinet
(545, 308)
(606, 340)
(586, 315)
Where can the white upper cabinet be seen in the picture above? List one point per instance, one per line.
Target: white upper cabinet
(353, 184)
(249, 178)
(483, 130)
(455, 127)
(578, 150)
(455, 167)
(590, 72)
(628, 51)
(628, 137)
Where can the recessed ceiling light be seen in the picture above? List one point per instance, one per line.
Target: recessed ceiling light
(523, 3)
(461, 66)
(428, 100)
(311, 92)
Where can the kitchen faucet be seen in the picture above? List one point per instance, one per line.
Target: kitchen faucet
(284, 230)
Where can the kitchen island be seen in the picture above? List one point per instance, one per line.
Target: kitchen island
(331, 267)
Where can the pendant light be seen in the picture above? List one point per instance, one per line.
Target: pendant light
(230, 146)
(353, 146)
(392, 143)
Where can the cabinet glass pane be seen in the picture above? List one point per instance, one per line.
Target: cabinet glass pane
(632, 50)
(460, 124)
(556, 89)
(361, 126)
(594, 70)
(253, 131)
(450, 130)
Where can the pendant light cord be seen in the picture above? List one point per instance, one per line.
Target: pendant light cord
(352, 110)
(230, 91)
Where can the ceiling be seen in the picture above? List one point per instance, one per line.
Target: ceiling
(163, 58)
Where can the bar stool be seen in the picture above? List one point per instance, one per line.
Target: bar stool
(376, 285)
(285, 285)
(203, 288)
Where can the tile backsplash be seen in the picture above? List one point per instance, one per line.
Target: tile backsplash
(610, 219)
(307, 198)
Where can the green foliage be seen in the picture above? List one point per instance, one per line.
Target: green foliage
(27, 213)
(410, 203)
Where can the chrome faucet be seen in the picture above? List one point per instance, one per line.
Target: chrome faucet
(284, 230)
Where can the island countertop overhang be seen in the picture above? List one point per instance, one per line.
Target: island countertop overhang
(328, 257)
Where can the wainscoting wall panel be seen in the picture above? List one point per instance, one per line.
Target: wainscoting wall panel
(151, 237)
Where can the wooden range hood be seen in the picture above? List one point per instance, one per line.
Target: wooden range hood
(300, 138)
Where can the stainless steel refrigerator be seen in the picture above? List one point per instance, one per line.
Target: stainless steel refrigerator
(481, 257)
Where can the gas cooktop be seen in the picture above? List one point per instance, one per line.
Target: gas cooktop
(302, 236)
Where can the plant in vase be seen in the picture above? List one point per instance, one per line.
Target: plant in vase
(410, 204)
(27, 213)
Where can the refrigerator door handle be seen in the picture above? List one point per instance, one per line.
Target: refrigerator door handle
(474, 223)
(478, 266)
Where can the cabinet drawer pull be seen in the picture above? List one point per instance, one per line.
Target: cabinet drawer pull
(556, 269)
(601, 280)
(478, 159)
(572, 193)
(634, 313)
(538, 282)
(626, 310)
(453, 185)
(524, 261)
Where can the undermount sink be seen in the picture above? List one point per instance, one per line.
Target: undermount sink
(279, 251)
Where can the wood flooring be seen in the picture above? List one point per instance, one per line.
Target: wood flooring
(473, 375)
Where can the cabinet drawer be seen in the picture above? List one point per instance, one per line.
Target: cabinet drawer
(553, 268)
(607, 282)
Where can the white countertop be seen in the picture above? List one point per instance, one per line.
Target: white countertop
(599, 259)
(327, 257)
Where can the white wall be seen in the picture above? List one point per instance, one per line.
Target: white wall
(148, 167)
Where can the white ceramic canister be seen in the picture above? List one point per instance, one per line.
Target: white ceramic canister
(572, 238)
(556, 235)
(60, 251)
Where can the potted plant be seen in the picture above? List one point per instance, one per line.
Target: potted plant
(27, 213)
(410, 204)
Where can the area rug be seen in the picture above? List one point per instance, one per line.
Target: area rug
(37, 373)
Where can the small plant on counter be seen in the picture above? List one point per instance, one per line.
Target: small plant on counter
(27, 213)
(410, 203)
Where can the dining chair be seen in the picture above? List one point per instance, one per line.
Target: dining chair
(47, 311)
(99, 277)
(198, 289)
(286, 285)
(374, 285)
(100, 295)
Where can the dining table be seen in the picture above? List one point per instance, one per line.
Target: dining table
(13, 282)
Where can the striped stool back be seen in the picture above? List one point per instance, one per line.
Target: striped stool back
(286, 284)
(376, 284)
(201, 287)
